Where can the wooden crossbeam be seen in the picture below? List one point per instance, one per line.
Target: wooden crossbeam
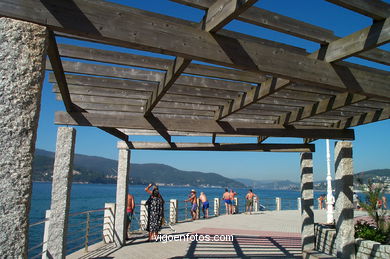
(365, 39)
(200, 126)
(218, 147)
(218, 15)
(281, 23)
(323, 106)
(152, 32)
(376, 9)
(121, 58)
(261, 139)
(365, 118)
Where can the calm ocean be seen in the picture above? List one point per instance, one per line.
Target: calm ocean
(93, 196)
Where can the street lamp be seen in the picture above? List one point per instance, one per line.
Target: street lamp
(329, 196)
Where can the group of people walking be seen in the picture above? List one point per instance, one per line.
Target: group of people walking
(155, 207)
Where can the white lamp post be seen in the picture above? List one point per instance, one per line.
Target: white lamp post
(329, 196)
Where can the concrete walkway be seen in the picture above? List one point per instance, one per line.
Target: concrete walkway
(270, 234)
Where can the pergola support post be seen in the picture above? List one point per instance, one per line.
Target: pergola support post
(23, 53)
(345, 232)
(60, 194)
(121, 195)
(307, 215)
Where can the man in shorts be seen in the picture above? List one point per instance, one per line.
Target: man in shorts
(228, 202)
(130, 211)
(205, 205)
(249, 201)
(233, 205)
(194, 204)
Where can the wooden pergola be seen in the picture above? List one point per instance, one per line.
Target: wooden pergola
(251, 86)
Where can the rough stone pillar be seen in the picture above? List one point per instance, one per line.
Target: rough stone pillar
(22, 62)
(345, 241)
(216, 206)
(255, 204)
(173, 210)
(121, 194)
(108, 222)
(236, 205)
(60, 193)
(143, 218)
(278, 202)
(307, 195)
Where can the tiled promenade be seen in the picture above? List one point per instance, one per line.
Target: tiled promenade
(269, 234)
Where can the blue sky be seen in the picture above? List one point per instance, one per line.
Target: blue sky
(371, 147)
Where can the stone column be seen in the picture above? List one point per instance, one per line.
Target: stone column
(345, 241)
(307, 195)
(22, 63)
(236, 205)
(46, 234)
(255, 204)
(299, 205)
(121, 194)
(60, 193)
(108, 222)
(216, 206)
(173, 210)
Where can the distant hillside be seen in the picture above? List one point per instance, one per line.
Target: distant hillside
(94, 169)
(372, 174)
(269, 184)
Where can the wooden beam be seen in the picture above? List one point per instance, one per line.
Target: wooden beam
(376, 9)
(260, 139)
(365, 118)
(220, 147)
(365, 39)
(127, 59)
(224, 11)
(321, 107)
(199, 126)
(58, 70)
(153, 32)
(116, 133)
(284, 24)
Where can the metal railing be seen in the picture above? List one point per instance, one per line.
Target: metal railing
(37, 248)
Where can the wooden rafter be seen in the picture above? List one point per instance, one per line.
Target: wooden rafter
(377, 9)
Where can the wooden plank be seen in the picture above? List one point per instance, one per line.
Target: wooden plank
(224, 11)
(261, 139)
(115, 133)
(104, 100)
(218, 147)
(127, 59)
(199, 126)
(365, 39)
(284, 24)
(162, 34)
(323, 106)
(365, 118)
(55, 60)
(376, 9)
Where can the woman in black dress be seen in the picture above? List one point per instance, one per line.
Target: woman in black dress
(155, 209)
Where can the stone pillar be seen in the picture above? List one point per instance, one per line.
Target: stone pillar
(60, 193)
(345, 241)
(299, 204)
(46, 234)
(216, 206)
(121, 194)
(278, 202)
(173, 210)
(236, 205)
(198, 202)
(143, 218)
(22, 64)
(307, 195)
(108, 222)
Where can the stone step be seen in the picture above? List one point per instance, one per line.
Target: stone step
(315, 254)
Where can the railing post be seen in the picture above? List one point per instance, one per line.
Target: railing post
(299, 204)
(108, 222)
(46, 235)
(143, 218)
(255, 204)
(278, 203)
(216, 206)
(173, 211)
(235, 205)
(87, 233)
(198, 209)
